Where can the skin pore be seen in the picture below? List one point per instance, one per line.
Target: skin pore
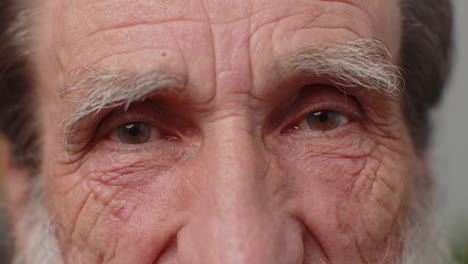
(233, 172)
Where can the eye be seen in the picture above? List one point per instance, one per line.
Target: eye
(134, 133)
(324, 120)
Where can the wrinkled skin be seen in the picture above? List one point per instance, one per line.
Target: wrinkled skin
(234, 182)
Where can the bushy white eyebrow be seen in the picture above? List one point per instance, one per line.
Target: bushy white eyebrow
(360, 63)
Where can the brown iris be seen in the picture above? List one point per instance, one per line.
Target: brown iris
(134, 133)
(323, 120)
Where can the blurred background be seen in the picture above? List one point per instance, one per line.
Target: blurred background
(450, 144)
(449, 158)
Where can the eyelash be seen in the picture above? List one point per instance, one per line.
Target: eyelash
(354, 114)
(117, 118)
(114, 121)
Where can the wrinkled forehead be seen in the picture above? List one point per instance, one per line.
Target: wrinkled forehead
(67, 24)
(91, 13)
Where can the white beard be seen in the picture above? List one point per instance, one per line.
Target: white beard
(423, 242)
(42, 245)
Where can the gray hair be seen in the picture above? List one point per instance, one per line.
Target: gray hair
(425, 60)
(17, 108)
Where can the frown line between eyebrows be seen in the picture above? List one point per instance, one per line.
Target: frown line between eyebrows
(363, 63)
(98, 90)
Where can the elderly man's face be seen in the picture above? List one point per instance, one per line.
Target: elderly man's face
(222, 131)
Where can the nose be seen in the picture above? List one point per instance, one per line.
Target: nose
(238, 215)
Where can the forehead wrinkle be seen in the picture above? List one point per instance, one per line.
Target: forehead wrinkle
(363, 63)
(98, 90)
(347, 2)
(353, 3)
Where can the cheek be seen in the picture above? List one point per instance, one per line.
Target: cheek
(105, 203)
(333, 164)
(352, 190)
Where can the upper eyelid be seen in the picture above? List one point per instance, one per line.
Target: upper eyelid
(116, 118)
(323, 96)
(353, 113)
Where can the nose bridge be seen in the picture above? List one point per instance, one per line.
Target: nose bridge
(234, 163)
(232, 222)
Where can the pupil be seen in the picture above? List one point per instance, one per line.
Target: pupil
(323, 117)
(133, 130)
(134, 133)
